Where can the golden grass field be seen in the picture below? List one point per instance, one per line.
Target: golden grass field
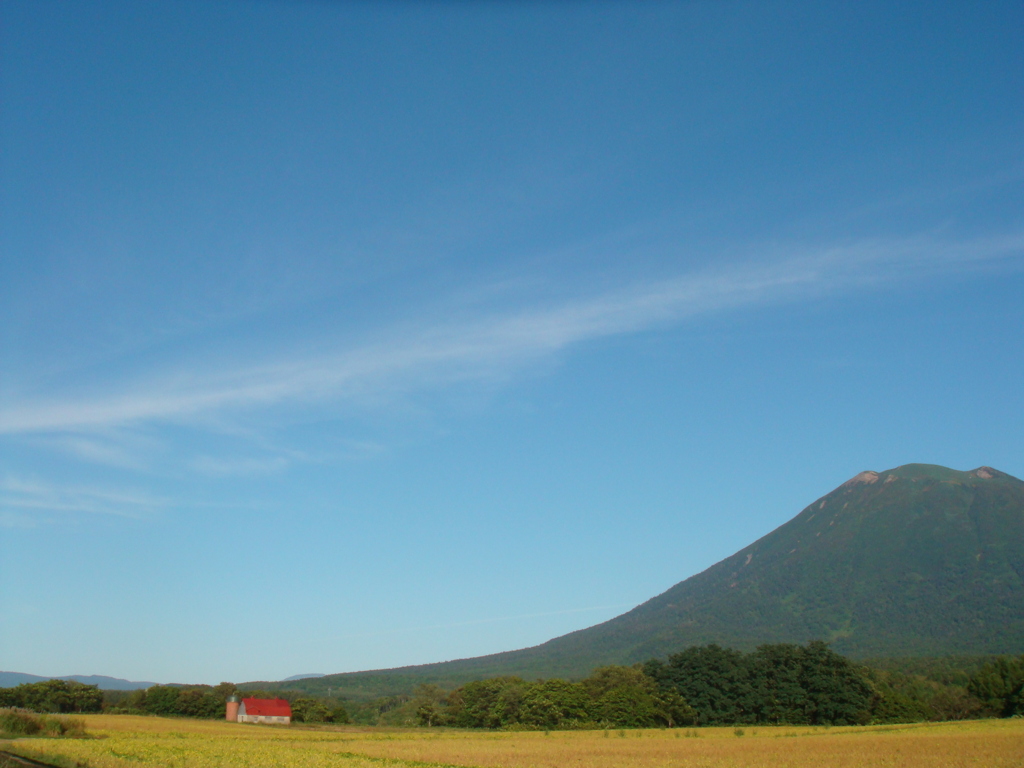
(122, 741)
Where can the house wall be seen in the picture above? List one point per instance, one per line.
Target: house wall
(276, 720)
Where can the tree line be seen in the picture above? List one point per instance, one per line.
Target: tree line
(208, 702)
(703, 685)
(710, 685)
(53, 697)
(196, 701)
(620, 696)
(199, 701)
(706, 685)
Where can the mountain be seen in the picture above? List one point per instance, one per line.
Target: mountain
(109, 683)
(302, 677)
(11, 679)
(920, 560)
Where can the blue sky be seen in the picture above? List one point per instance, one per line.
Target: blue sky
(404, 332)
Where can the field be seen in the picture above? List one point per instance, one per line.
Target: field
(133, 742)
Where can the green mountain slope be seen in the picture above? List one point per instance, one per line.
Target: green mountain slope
(915, 561)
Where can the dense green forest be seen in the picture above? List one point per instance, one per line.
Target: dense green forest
(710, 685)
(775, 684)
(702, 685)
(948, 670)
(622, 697)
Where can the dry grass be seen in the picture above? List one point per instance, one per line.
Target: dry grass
(989, 744)
(137, 742)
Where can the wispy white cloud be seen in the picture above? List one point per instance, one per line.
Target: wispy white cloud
(120, 450)
(489, 345)
(21, 499)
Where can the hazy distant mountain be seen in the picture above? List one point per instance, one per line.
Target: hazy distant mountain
(303, 677)
(10, 679)
(920, 560)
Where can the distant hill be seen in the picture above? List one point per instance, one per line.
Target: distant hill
(11, 679)
(915, 561)
(303, 677)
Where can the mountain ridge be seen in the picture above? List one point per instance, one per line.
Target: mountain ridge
(918, 560)
(915, 561)
(11, 679)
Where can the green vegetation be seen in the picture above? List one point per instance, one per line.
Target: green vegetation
(198, 701)
(307, 710)
(1000, 686)
(208, 702)
(53, 696)
(612, 697)
(19, 723)
(947, 670)
(714, 686)
(776, 684)
(201, 701)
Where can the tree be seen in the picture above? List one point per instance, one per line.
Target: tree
(777, 691)
(780, 683)
(225, 689)
(197, 702)
(837, 692)
(955, 703)
(554, 704)
(711, 679)
(57, 696)
(627, 698)
(162, 700)
(999, 685)
(429, 701)
(487, 703)
(310, 711)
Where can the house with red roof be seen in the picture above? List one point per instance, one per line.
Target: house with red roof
(277, 711)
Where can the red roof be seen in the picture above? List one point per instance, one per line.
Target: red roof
(268, 707)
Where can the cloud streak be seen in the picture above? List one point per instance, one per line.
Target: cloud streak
(495, 344)
(119, 450)
(20, 498)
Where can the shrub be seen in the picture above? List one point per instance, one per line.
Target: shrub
(53, 696)
(21, 722)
